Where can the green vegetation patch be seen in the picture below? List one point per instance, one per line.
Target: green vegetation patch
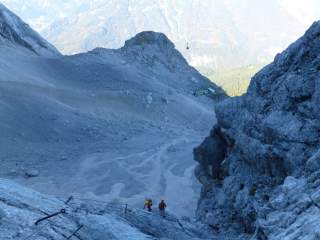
(234, 81)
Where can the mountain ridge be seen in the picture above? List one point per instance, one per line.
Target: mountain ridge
(14, 31)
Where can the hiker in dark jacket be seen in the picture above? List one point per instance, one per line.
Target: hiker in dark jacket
(162, 208)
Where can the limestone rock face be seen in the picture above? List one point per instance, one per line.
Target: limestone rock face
(259, 167)
(23, 215)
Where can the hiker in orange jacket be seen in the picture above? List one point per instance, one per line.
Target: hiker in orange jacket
(148, 204)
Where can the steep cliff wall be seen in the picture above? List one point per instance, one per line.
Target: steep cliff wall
(259, 165)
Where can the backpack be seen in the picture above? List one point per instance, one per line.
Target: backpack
(162, 205)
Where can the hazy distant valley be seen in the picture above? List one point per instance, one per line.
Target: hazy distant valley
(224, 37)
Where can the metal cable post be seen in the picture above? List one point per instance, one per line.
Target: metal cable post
(62, 211)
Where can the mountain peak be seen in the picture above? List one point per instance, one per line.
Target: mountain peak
(15, 32)
(153, 48)
(150, 38)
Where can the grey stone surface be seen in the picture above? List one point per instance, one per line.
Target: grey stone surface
(21, 208)
(267, 151)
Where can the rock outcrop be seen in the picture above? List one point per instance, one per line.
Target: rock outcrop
(146, 46)
(260, 165)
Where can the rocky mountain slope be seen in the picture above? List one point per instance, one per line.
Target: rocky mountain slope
(22, 213)
(108, 124)
(260, 165)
